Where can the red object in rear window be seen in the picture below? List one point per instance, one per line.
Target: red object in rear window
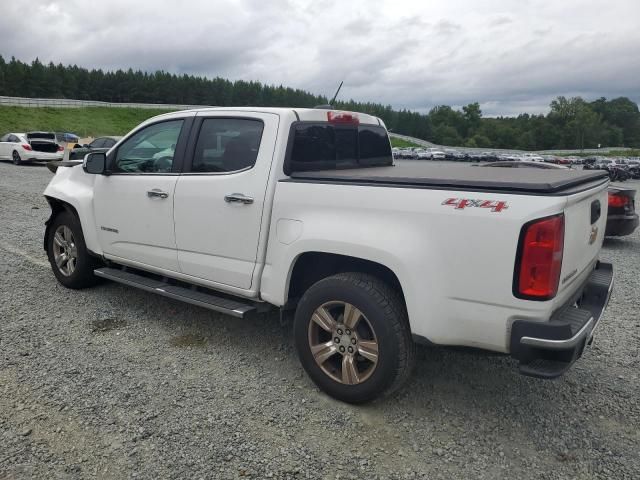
(617, 200)
(26, 146)
(539, 259)
(343, 117)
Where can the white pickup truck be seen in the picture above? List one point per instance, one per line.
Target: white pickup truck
(240, 210)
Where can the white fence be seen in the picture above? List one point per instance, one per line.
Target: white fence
(68, 103)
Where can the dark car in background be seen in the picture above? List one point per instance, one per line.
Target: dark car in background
(100, 144)
(66, 137)
(622, 219)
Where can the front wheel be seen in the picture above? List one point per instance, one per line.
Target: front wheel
(353, 337)
(70, 260)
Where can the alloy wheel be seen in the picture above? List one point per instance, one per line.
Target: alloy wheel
(65, 251)
(343, 342)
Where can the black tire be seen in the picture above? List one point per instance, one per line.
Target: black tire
(15, 157)
(385, 314)
(82, 275)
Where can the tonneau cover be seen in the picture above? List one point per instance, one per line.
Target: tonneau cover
(460, 177)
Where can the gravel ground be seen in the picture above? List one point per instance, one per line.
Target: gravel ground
(115, 383)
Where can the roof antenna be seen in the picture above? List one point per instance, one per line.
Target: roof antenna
(337, 92)
(329, 106)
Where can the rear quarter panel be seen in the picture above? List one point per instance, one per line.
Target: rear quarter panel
(455, 265)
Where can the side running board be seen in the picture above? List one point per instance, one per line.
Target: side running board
(195, 297)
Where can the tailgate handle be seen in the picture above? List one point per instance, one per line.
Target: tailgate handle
(596, 211)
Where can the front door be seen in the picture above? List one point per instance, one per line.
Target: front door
(134, 204)
(219, 199)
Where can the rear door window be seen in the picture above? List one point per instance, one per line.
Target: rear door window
(227, 145)
(323, 146)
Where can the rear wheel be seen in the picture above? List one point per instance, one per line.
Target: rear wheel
(70, 260)
(353, 338)
(16, 158)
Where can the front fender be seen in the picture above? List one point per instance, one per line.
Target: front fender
(72, 189)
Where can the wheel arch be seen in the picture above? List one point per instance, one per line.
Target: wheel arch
(310, 267)
(57, 206)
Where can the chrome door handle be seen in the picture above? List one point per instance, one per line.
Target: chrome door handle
(156, 193)
(238, 198)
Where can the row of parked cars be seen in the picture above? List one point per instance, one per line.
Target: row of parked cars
(48, 146)
(435, 153)
(619, 168)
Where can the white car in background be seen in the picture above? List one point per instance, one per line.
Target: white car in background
(436, 154)
(30, 147)
(532, 157)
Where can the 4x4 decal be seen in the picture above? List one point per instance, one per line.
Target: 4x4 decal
(462, 203)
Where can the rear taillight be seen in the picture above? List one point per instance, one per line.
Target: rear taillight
(618, 200)
(343, 118)
(539, 259)
(60, 148)
(26, 146)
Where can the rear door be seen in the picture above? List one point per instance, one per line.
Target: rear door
(134, 204)
(13, 143)
(219, 199)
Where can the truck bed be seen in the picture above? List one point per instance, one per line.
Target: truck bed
(528, 181)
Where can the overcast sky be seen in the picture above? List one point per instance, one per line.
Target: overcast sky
(512, 56)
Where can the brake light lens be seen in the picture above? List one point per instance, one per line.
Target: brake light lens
(60, 148)
(617, 200)
(26, 146)
(343, 118)
(540, 259)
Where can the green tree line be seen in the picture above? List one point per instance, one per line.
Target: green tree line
(571, 123)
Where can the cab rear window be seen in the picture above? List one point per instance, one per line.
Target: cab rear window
(322, 146)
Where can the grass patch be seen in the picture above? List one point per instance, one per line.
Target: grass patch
(400, 143)
(85, 122)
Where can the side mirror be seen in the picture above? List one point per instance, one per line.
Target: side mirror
(95, 163)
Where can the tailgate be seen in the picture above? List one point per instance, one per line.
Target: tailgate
(585, 225)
